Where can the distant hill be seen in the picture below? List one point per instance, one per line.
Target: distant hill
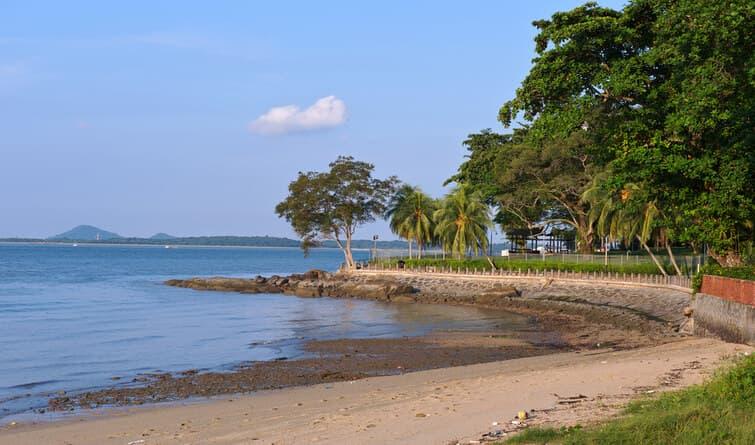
(89, 234)
(162, 236)
(86, 233)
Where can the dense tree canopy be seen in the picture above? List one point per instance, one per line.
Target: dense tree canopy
(660, 94)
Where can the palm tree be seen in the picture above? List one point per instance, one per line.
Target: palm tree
(410, 217)
(623, 217)
(462, 222)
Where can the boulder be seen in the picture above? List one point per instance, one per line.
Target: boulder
(496, 296)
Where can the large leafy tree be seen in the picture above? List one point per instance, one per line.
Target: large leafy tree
(663, 93)
(410, 215)
(541, 184)
(478, 171)
(462, 222)
(572, 109)
(694, 140)
(333, 204)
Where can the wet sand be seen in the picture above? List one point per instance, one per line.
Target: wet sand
(353, 359)
(560, 332)
(428, 407)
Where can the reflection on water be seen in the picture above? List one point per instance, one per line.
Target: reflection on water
(92, 316)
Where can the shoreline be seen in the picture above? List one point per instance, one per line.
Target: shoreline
(557, 325)
(425, 407)
(562, 324)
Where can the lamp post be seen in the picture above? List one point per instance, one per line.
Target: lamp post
(374, 247)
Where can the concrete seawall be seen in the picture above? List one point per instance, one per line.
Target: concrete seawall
(725, 308)
(632, 305)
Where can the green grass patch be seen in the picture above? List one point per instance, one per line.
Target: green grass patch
(720, 411)
(516, 265)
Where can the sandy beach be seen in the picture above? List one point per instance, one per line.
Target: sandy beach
(439, 406)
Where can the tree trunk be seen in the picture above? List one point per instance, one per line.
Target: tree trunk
(348, 259)
(347, 251)
(672, 258)
(585, 235)
(419, 249)
(410, 248)
(652, 256)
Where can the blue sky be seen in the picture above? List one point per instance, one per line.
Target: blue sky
(143, 117)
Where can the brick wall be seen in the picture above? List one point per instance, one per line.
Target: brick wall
(731, 289)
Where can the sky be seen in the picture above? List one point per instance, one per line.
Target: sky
(192, 117)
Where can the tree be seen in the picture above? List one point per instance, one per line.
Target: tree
(478, 171)
(624, 216)
(333, 204)
(462, 222)
(695, 144)
(410, 215)
(541, 185)
(664, 93)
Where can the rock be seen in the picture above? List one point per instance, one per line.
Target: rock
(403, 299)
(495, 296)
(688, 311)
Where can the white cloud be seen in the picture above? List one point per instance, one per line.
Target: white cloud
(324, 113)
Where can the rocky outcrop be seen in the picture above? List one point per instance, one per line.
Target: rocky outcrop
(313, 284)
(636, 308)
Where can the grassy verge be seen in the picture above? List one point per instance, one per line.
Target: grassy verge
(720, 411)
(533, 265)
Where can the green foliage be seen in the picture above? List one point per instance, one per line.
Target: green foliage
(663, 94)
(410, 216)
(717, 412)
(543, 435)
(478, 171)
(550, 264)
(741, 273)
(333, 204)
(462, 222)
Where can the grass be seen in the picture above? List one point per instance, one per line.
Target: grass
(720, 411)
(552, 263)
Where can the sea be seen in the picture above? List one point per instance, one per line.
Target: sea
(81, 317)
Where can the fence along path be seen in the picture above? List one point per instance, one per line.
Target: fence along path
(676, 282)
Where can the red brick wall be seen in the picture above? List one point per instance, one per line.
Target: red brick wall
(732, 289)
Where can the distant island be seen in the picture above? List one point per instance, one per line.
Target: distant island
(84, 234)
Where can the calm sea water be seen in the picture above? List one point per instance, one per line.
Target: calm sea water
(75, 318)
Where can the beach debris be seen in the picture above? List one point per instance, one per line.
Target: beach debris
(497, 434)
(603, 362)
(13, 424)
(420, 415)
(515, 422)
(568, 400)
(136, 442)
(522, 415)
(495, 423)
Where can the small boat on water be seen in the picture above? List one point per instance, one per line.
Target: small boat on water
(74, 245)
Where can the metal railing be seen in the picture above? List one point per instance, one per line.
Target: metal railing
(616, 277)
(689, 264)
